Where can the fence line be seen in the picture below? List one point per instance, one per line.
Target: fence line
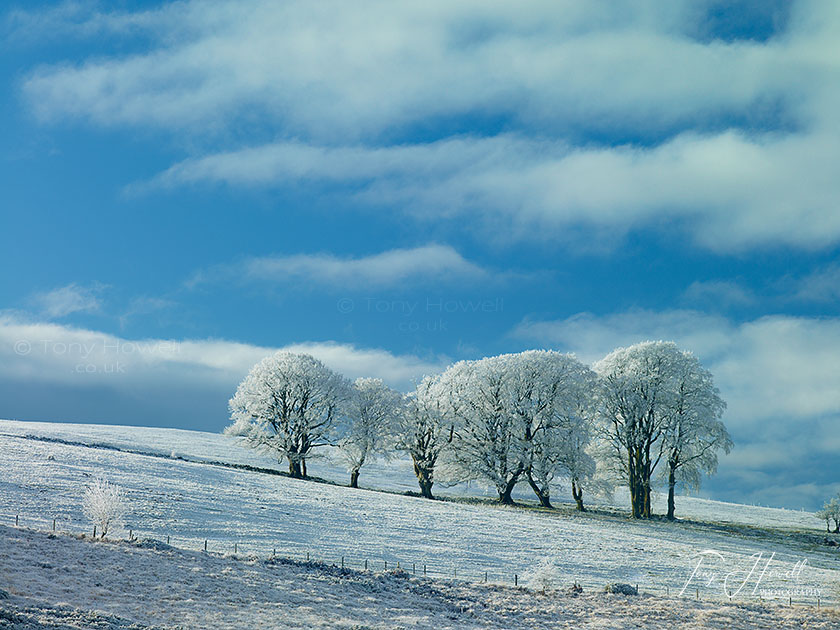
(348, 562)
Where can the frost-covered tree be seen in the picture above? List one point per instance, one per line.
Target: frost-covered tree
(642, 408)
(563, 451)
(694, 433)
(373, 410)
(489, 441)
(288, 405)
(518, 417)
(555, 400)
(104, 505)
(830, 512)
(422, 431)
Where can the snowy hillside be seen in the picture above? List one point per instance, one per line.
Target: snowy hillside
(132, 586)
(189, 502)
(394, 476)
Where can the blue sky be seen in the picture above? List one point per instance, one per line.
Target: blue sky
(189, 186)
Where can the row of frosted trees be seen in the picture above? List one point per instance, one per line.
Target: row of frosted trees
(644, 415)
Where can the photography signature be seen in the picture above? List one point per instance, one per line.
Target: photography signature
(713, 570)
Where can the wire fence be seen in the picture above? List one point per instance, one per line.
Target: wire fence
(243, 549)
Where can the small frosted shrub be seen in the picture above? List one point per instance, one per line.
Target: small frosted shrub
(105, 506)
(542, 577)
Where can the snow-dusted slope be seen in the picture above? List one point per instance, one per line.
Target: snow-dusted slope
(191, 502)
(64, 582)
(394, 476)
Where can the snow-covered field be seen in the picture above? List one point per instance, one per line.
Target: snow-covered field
(190, 502)
(395, 476)
(63, 582)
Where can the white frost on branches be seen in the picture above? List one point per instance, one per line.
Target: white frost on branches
(694, 433)
(372, 415)
(517, 417)
(647, 413)
(543, 576)
(556, 395)
(423, 432)
(830, 513)
(659, 405)
(288, 405)
(104, 505)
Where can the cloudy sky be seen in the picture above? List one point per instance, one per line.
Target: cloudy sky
(188, 186)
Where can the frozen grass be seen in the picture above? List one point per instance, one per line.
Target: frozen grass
(394, 476)
(192, 502)
(68, 583)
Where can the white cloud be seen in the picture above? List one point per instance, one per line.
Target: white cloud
(775, 368)
(719, 293)
(591, 336)
(730, 190)
(354, 70)
(67, 300)
(738, 139)
(80, 358)
(822, 285)
(438, 263)
(143, 306)
(777, 374)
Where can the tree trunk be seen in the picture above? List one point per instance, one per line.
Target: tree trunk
(505, 494)
(577, 494)
(303, 468)
(634, 486)
(505, 497)
(294, 469)
(542, 495)
(354, 478)
(425, 480)
(646, 475)
(426, 489)
(639, 482)
(672, 482)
